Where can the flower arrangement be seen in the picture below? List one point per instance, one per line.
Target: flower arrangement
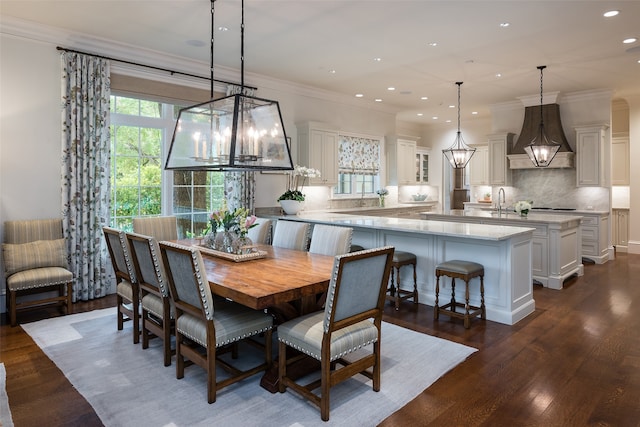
(238, 221)
(296, 180)
(381, 193)
(522, 207)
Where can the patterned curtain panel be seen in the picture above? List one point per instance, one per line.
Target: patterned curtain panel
(85, 170)
(239, 190)
(358, 155)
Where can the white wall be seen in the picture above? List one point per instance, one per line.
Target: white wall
(634, 177)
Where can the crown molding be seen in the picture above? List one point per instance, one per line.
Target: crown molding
(127, 52)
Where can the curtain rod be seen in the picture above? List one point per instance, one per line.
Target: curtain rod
(153, 67)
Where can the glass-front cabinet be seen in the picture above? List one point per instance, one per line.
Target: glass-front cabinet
(422, 165)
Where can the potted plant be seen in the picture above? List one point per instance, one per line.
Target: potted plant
(292, 200)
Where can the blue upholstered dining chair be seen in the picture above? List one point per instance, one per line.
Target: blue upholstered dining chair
(201, 322)
(160, 227)
(330, 240)
(261, 232)
(35, 260)
(157, 307)
(127, 289)
(351, 320)
(291, 235)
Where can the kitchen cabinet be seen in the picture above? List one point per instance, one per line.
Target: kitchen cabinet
(620, 161)
(620, 229)
(401, 158)
(499, 146)
(595, 233)
(422, 165)
(479, 166)
(318, 148)
(591, 154)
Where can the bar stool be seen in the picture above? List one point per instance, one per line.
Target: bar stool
(396, 294)
(465, 270)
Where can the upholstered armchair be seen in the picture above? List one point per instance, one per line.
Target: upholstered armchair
(160, 227)
(291, 235)
(157, 310)
(330, 240)
(215, 324)
(127, 289)
(35, 261)
(351, 321)
(261, 232)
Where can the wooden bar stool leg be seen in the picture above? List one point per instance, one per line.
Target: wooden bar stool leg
(397, 289)
(453, 294)
(467, 320)
(483, 313)
(415, 285)
(435, 306)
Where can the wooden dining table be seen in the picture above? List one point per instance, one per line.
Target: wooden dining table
(283, 276)
(287, 282)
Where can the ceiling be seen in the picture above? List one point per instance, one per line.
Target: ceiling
(303, 41)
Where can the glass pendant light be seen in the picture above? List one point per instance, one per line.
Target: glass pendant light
(541, 150)
(235, 133)
(459, 153)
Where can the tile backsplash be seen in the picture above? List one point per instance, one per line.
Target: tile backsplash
(554, 188)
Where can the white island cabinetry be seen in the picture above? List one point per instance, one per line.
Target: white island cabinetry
(556, 249)
(505, 253)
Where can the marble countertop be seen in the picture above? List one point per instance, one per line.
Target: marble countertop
(444, 228)
(533, 217)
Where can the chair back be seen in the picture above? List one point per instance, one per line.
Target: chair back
(261, 233)
(147, 263)
(160, 227)
(291, 235)
(357, 288)
(330, 240)
(119, 254)
(18, 232)
(187, 278)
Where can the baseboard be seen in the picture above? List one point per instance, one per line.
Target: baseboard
(633, 247)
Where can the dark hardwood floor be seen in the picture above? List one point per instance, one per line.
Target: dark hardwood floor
(574, 362)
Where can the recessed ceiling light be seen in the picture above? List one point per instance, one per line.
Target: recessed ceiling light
(223, 29)
(498, 75)
(405, 92)
(435, 117)
(630, 40)
(504, 24)
(611, 13)
(391, 88)
(448, 121)
(433, 44)
(474, 113)
(452, 106)
(359, 95)
(419, 114)
(378, 99)
(424, 98)
(332, 71)
(377, 59)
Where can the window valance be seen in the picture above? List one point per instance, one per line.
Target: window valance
(358, 155)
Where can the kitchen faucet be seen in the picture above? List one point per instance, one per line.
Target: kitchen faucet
(500, 202)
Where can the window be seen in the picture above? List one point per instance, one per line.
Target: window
(358, 165)
(140, 136)
(355, 185)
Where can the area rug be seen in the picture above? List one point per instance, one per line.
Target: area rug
(5, 412)
(129, 386)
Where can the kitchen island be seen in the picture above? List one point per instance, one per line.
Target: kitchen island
(556, 244)
(504, 251)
